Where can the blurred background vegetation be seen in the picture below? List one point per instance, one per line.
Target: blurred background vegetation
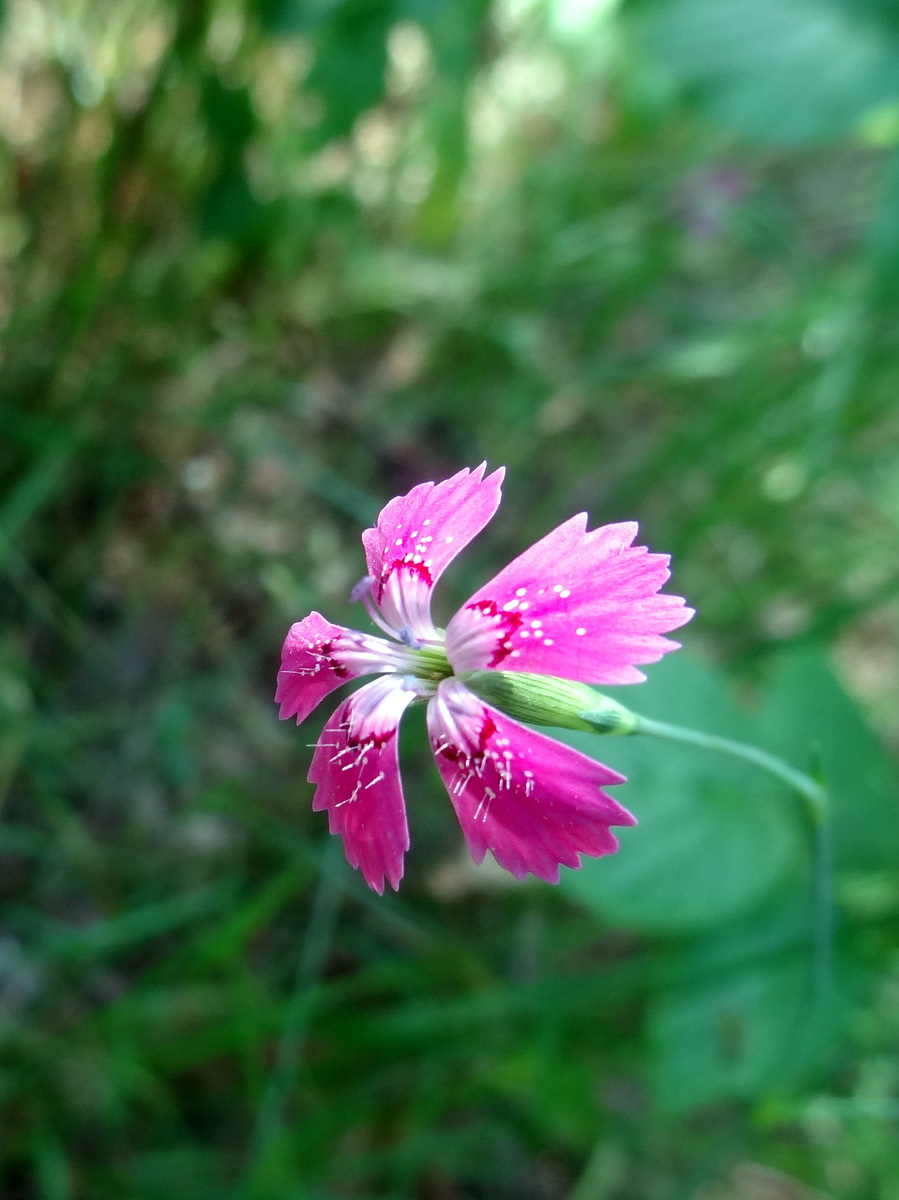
(263, 265)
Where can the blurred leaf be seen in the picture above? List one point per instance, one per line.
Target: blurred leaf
(780, 71)
(348, 72)
(883, 240)
(455, 32)
(38, 483)
(174, 728)
(297, 16)
(884, 12)
(229, 115)
(51, 1166)
(714, 835)
(229, 209)
(140, 924)
(753, 1014)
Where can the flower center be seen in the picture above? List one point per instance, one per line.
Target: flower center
(430, 662)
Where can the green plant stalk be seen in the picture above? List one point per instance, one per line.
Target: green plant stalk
(816, 807)
(270, 1117)
(812, 792)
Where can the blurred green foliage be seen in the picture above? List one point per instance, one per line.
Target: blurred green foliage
(264, 265)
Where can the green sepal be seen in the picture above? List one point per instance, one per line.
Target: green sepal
(546, 700)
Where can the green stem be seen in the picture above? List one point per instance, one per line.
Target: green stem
(270, 1119)
(798, 781)
(816, 807)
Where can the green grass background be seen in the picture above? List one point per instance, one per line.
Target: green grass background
(263, 265)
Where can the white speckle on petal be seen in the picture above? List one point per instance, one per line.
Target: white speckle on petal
(547, 641)
(557, 587)
(565, 593)
(580, 631)
(521, 592)
(448, 538)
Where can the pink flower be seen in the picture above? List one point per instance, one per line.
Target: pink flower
(583, 605)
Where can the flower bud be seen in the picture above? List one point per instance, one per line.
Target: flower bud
(546, 700)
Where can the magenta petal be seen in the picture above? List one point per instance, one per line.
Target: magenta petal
(318, 657)
(531, 801)
(582, 605)
(417, 535)
(356, 769)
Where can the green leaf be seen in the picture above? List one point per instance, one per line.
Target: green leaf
(779, 71)
(751, 1013)
(714, 836)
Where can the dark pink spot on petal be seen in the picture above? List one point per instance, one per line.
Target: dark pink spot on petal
(415, 570)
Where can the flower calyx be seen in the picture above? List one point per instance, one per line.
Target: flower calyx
(547, 700)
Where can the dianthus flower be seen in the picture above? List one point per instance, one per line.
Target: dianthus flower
(582, 605)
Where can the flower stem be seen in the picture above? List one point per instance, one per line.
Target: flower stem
(815, 804)
(811, 791)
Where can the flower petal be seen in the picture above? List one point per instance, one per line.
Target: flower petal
(318, 657)
(356, 769)
(582, 605)
(415, 538)
(532, 802)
